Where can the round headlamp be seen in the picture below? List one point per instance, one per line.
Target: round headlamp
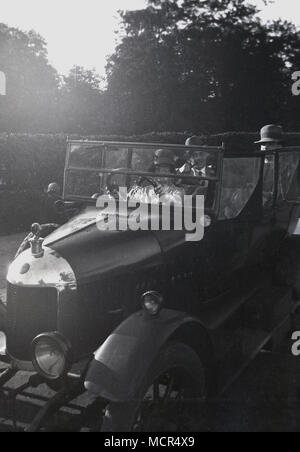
(51, 355)
(152, 302)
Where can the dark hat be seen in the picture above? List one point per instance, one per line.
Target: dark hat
(271, 134)
(194, 141)
(164, 157)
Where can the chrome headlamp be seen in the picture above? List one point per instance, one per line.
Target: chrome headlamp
(152, 302)
(51, 355)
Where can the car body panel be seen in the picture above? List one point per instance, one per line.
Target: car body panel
(122, 361)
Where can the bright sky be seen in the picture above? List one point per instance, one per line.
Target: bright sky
(82, 31)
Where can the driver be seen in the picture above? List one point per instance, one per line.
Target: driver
(195, 165)
(198, 164)
(271, 139)
(148, 189)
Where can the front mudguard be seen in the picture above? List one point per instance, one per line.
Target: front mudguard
(121, 363)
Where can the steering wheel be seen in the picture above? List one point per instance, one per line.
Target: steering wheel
(112, 187)
(200, 190)
(149, 179)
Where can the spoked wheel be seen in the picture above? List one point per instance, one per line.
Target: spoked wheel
(171, 399)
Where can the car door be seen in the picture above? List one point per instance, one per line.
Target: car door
(277, 179)
(237, 214)
(287, 202)
(264, 231)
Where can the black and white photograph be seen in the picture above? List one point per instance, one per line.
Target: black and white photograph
(150, 218)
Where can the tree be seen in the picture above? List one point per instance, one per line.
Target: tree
(81, 102)
(31, 82)
(206, 66)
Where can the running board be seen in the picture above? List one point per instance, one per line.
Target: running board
(263, 316)
(256, 350)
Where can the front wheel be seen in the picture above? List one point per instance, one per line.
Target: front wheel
(171, 398)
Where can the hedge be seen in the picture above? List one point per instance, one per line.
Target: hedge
(19, 209)
(244, 141)
(31, 162)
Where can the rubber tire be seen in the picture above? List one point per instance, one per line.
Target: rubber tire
(119, 417)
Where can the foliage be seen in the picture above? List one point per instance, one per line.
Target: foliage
(33, 161)
(32, 84)
(206, 67)
(19, 209)
(36, 160)
(81, 101)
(180, 65)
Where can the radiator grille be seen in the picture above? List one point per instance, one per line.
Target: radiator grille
(30, 311)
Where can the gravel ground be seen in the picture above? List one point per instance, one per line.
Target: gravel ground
(266, 398)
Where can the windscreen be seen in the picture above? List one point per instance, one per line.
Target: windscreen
(94, 169)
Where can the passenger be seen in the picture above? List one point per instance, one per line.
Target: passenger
(194, 162)
(271, 139)
(148, 189)
(197, 164)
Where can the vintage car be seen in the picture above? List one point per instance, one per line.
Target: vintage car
(147, 324)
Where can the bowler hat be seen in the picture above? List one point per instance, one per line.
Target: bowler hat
(194, 141)
(270, 134)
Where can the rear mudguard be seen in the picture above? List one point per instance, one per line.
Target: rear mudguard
(121, 363)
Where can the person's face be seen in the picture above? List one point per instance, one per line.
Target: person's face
(164, 169)
(273, 146)
(199, 160)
